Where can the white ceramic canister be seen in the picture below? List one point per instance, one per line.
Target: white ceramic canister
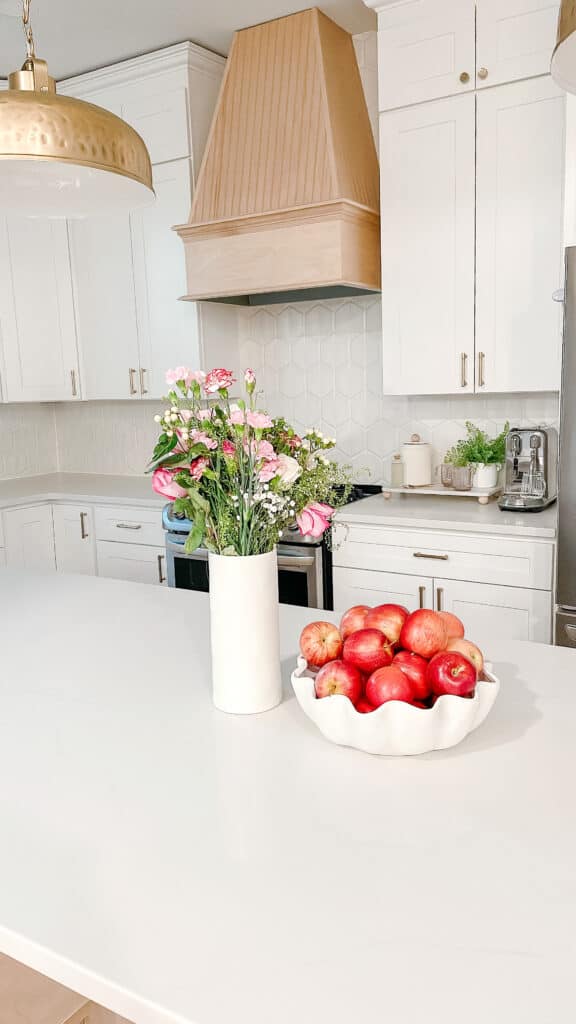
(417, 459)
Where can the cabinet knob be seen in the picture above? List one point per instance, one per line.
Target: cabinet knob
(483, 73)
(464, 78)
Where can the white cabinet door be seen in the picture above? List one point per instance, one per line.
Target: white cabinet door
(362, 586)
(103, 273)
(519, 236)
(74, 539)
(37, 309)
(29, 538)
(137, 562)
(515, 39)
(426, 50)
(495, 615)
(168, 329)
(427, 217)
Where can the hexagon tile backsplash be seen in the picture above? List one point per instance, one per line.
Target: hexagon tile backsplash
(320, 364)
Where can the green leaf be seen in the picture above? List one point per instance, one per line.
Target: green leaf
(163, 448)
(196, 535)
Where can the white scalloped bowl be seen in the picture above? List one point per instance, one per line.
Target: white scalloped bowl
(396, 728)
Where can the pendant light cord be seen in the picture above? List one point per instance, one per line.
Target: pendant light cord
(28, 29)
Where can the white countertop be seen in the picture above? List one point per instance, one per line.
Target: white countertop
(79, 487)
(185, 867)
(446, 513)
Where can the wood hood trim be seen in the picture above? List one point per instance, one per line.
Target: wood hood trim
(290, 146)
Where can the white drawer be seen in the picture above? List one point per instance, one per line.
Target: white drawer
(140, 563)
(450, 556)
(129, 525)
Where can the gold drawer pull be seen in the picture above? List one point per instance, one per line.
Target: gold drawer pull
(438, 558)
(439, 596)
(421, 595)
(133, 390)
(128, 526)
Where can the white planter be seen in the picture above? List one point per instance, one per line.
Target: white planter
(245, 633)
(486, 475)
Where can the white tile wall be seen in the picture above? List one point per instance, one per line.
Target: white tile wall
(320, 364)
(27, 440)
(106, 437)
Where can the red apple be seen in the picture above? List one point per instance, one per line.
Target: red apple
(450, 672)
(389, 618)
(353, 620)
(415, 668)
(454, 625)
(364, 707)
(320, 642)
(338, 677)
(367, 650)
(389, 683)
(424, 633)
(469, 650)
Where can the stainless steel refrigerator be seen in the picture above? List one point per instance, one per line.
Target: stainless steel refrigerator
(566, 572)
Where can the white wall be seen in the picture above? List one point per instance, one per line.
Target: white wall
(27, 440)
(106, 437)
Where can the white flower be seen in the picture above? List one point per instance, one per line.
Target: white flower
(169, 433)
(157, 419)
(289, 470)
(174, 408)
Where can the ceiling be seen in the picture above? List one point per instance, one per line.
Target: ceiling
(78, 35)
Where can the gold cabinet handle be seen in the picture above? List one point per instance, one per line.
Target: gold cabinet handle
(131, 384)
(439, 596)
(463, 369)
(128, 526)
(73, 383)
(83, 530)
(483, 73)
(464, 78)
(423, 554)
(421, 596)
(161, 576)
(481, 367)
(143, 388)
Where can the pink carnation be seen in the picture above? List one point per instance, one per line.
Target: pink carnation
(237, 417)
(218, 380)
(163, 483)
(269, 470)
(228, 448)
(250, 376)
(198, 467)
(258, 420)
(314, 520)
(200, 437)
(184, 374)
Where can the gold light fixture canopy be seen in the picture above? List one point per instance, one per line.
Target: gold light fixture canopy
(564, 56)
(63, 157)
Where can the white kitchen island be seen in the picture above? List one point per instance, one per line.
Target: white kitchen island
(180, 866)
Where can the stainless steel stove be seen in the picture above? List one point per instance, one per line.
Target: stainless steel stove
(304, 563)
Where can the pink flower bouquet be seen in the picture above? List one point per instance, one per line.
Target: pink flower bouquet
(241, 476)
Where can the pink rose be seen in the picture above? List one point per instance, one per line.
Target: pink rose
(314, 520)
(228, 448)
(163, 483)
(218, 380)
(184, 374)
(200, 437)
(268, 470)
(258, 420)
(198, 466)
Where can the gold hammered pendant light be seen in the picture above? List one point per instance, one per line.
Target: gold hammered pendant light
(564, 56)
(62, 157)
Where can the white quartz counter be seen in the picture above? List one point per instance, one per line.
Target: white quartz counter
(185, 867)
(79, 487)
(449, 513)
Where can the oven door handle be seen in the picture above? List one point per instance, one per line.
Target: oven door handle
(296, 561)
(176, 548)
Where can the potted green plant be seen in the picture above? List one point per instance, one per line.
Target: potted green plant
(483, 453)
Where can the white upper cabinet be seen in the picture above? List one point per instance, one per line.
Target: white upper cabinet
(426, 50)
(514, 39)
(520, 173)
(38, 329)
(427, 218)
(434, 48)
(168, 329)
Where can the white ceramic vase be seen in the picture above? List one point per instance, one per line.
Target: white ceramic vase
(245, 633)
(486, 475)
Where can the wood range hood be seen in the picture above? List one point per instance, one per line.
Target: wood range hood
(287, 200)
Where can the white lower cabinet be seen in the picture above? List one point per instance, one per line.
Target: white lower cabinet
(497, 614)
(29, 538)
(74, 539)
(140, 563)
(363, 586)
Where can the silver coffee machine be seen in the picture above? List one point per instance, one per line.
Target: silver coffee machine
(531, 469)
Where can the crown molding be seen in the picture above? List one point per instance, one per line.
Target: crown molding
(385, 5)
(186, 56)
